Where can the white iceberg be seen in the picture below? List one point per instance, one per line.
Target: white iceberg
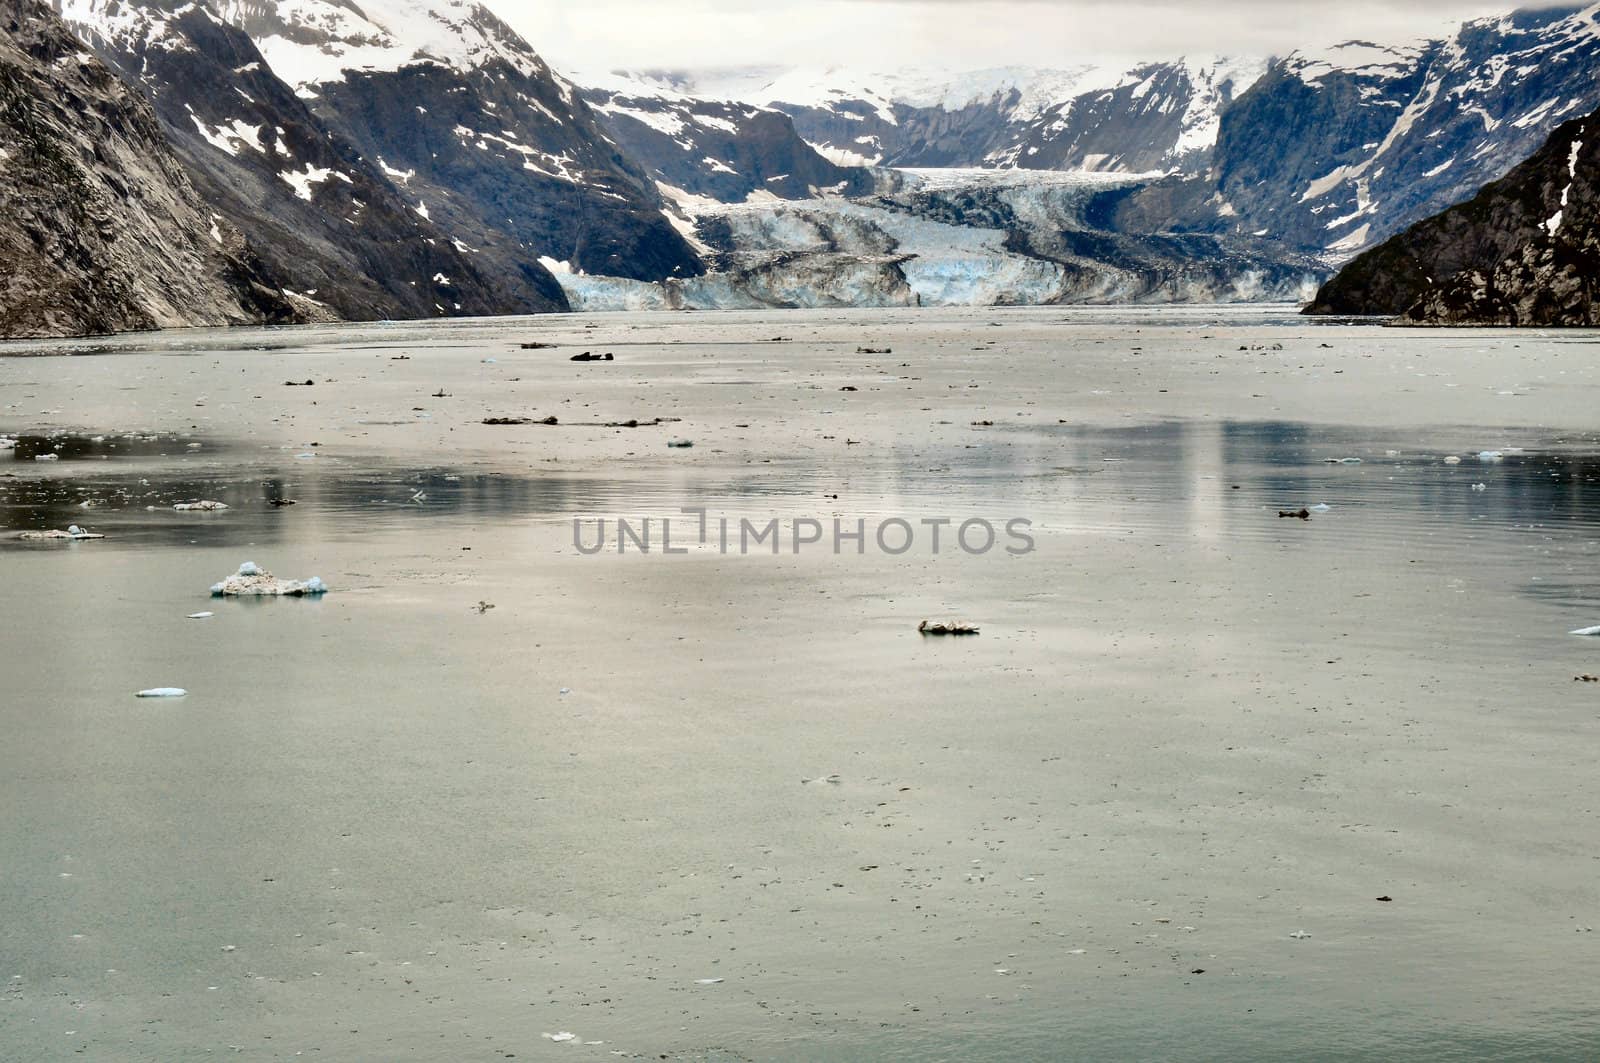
(162, 692)
(204, 506)
(253, 581)
(1587, 631)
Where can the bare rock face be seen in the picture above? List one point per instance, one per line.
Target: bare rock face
(101, 230)
(1524, 251)
(336, 229)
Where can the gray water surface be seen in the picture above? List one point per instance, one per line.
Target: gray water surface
(733, 807)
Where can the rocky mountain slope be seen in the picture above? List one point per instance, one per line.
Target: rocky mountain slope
(101, 229)
(1524, 251)
(481, 135)
(326, 220)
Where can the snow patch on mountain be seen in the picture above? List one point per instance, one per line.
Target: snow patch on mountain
(309, 41)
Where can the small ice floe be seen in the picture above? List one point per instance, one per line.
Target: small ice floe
(946, 627)
(1452, 460)
(562, 1036)
(203, 506)
(7, 443)
(1587, 631)
(252, 580)
(1299, 935)
(708, 981)
(1480, 487)
(199, 616)
(47, 457)
(306, 455)
(680, 442)
(1320, 507)
(72, 532)
(1488, 457)
(162, 692)
(1341, 461)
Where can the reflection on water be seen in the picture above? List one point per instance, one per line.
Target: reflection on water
(1202, 479)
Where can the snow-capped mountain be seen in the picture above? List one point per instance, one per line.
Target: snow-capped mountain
(1326, 150)
(327, 222)
(722, 149)
(479, 131)
(1154, 116)
(1340, 148)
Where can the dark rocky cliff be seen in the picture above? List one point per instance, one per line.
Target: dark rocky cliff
(100, 228)
(1524, 251)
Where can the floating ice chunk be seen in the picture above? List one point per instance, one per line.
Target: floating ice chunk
(1480, 487)
(707, 981)
(1587, 631)
(204, 506)
(562, 1036)
(1320, 507)
(1341, 461)
(253, 581)
(162, 692)
(7, 443)
(1452, 460)
(47, 457)
(1490, 455)
(72, 532)
(199, 616)
(307, 454)
(1299, 935)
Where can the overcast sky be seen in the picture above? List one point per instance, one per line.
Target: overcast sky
(953, 34)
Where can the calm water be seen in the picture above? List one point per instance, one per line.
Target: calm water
(724, 807)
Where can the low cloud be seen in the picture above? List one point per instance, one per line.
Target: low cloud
(954, 34)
